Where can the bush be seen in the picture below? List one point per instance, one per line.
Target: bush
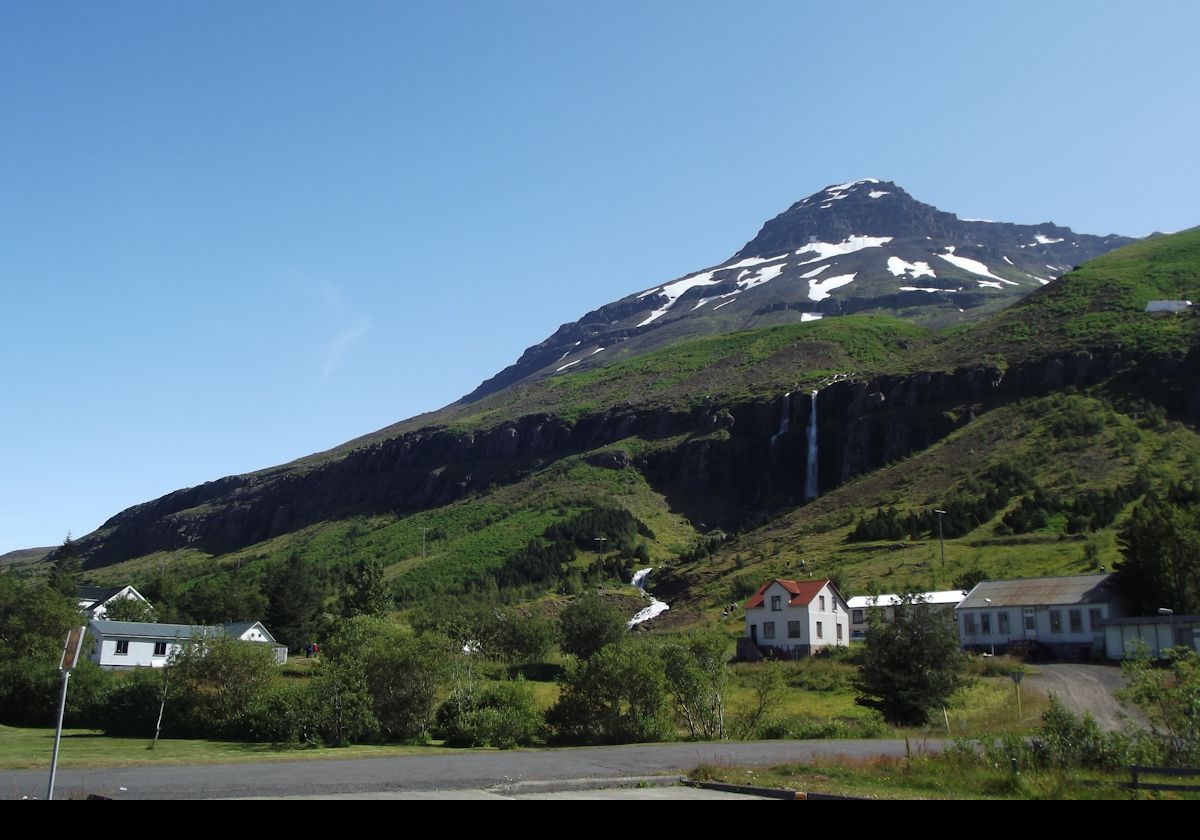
(500, 715)
(130, 705)
(588, 624)
(618, 696)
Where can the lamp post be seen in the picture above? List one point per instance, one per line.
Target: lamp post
(941, 542)
(991, 636)
(1170, 613)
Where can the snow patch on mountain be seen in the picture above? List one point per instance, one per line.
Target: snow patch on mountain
(973, 266)
(1042, 239)
(931, 291)
(810, 316)
(808, 275)
(827, 250)
(820, 289)
(899, 267)
(878, 193)
(748, 279)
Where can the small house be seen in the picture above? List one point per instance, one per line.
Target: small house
(796, 618)
(133, 644)
(94, 601)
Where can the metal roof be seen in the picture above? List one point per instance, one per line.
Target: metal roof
(1036, 592)
(98, 593)
(148, 630)
(945, 596)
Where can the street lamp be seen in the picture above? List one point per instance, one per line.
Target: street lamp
(1170, 613)
(941, 542)
(991, 636)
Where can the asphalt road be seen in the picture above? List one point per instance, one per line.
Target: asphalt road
(466, 771)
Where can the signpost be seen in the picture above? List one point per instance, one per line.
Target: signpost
(70, 658)
(1015, 675)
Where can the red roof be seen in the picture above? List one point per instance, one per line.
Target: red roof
(802, 592)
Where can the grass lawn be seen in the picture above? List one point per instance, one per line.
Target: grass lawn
(923, 777)
(30, 749)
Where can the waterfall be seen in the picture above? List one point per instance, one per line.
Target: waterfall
(785, 421)
(656, 606)
(810, 468)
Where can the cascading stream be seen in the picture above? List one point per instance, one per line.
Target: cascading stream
(810, 468)
(656, 607)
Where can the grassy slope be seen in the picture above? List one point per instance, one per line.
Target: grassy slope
(811, 540)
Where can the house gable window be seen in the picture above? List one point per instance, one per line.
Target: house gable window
(776, 603)
(822, 603)
(122, 647)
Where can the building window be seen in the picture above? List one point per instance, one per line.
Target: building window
(969, 624)
(793, 629)
(160, 648)
(122, 647)
(1030, 620)
(1055, 621)
(1076, 617)
(1095, 616)
(857, 616)
(839, 632)
(820, 630)
(768, 629)
(822, 603)
(776, 603)
(985, 623)
(833, 604)
(1002, 621)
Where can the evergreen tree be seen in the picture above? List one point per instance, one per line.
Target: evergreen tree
(295, 601)
(67, 565)
(368, 592)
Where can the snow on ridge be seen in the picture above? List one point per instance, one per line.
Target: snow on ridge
(899, 267)
(567, 365)
(805, 317)
(846, 186)
(973, 266)
(1041, 239)
(931, 291)
(987, 284)
(1007, 260)
(820, 289)
(719, 305)
(826, 250)
(676, 289)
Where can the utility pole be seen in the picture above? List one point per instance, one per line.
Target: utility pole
(941, 541)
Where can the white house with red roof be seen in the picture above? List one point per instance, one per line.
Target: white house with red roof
(797, 618)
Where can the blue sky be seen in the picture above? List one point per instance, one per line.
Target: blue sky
(232, 234)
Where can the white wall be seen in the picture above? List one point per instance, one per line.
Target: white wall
(807, 616)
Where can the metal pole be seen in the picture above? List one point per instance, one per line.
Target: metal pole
(62, 706)
(941, 542)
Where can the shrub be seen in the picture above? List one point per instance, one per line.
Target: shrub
(618, 696)
(500, 715)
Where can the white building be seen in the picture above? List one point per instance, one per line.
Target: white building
(1165, 308)
(1065, 614)
(797, 618)
(1151, 635)
(131, 644)
(862, 606)
(95, 600)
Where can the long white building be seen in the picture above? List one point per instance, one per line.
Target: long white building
(132, 644)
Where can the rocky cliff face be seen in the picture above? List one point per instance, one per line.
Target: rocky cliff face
(736, 457)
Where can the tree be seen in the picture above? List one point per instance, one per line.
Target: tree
(214, 686)
(295, 602)
(911, 665)
(368, 592)
(68, 563)
(618, 696)
(1161, 548)
(696, 680)
(589, 624)
(130, 609)
(1170, 697)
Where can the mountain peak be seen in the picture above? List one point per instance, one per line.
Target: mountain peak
(858, 246)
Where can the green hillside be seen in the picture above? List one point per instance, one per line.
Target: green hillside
(1037, 482)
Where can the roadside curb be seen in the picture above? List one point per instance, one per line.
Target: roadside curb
(769, 793)
(560, 785)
